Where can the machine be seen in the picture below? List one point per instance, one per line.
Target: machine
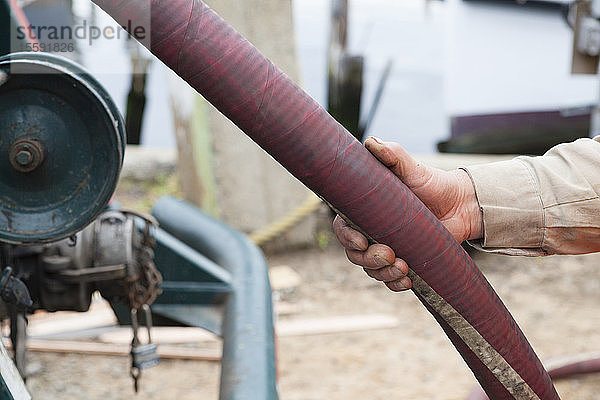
(61, 152)
(63, 238)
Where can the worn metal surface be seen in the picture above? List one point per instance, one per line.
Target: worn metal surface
(61, 148)
(248, 365)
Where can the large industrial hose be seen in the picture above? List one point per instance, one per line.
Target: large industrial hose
(578, 365)
(233, 75)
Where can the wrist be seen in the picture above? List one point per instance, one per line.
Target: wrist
(473, 212)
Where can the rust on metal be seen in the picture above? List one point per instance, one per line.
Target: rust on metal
(26, 155)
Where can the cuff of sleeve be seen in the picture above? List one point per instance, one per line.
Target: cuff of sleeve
(509, 197)
(507, 251)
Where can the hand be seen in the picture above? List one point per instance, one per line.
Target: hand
(449, 195)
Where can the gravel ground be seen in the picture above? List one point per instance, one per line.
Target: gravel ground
(554, 299)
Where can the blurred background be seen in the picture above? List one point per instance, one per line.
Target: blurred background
(449, 58)
(455, 82)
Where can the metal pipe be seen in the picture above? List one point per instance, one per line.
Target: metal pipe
(248, 369)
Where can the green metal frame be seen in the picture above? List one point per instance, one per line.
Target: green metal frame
(248, 367)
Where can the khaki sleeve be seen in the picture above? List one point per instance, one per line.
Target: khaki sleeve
(541, 205)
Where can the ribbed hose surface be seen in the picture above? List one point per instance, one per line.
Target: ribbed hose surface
(235, 77)
(559, 369)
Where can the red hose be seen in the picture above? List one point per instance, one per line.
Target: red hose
(581, 367)
(235, 77)
(561, 369)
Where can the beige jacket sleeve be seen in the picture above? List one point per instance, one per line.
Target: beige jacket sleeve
(541, 205)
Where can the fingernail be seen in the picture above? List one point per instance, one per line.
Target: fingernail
(406, 282)
(376, 139)
(380, 261)
(400, 266)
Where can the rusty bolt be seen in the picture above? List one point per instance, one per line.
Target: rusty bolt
(24, 158)
(26, 155)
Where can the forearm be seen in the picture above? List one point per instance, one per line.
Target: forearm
(541, 205)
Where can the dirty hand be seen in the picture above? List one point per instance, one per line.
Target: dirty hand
(449, 195)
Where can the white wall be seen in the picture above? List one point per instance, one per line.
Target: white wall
(510, 58)
(453, 57)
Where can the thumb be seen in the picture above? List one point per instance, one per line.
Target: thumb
(399, 161)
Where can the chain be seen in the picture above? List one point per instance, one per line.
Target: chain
(143, 287)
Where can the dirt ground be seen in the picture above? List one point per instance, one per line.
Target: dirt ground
(554, 299)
